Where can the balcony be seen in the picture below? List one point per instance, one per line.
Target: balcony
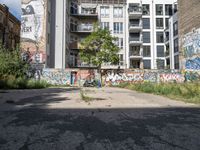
(136, 54)
(86, 13)
(135, 41)
(83, 28)
(135, 12)
(135, 27)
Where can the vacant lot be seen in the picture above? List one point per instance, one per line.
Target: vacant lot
(112, 119)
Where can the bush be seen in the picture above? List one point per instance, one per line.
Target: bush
(11, 64)
(22, 83)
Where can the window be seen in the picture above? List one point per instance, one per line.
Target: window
(166, 22)
(159, 9)
(118, 27)
(160, 51)
(121, 59)
(146, 37)
(134, 8)
(145, 9)
(74, 8)
(176, 45)
(159, 37)
(166, 36)
(175, 8)
(119, 42)
(159, 23)
(146, 23)
(135, 51)
(118, 12)
(175, 27)
(134, 22)
(168, 10)
(105, 25)
(160, 64)
(146, 51)
(147, 64)
(104, 12)
(176, 62)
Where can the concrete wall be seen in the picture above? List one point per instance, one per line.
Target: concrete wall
(114, 77)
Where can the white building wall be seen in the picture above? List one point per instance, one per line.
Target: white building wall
(60, 34)
(152, 30)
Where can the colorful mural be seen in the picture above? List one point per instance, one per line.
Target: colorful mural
(191, 47)
(33, 26)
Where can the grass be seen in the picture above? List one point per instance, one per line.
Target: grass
(21, 83)
(84, 97)
(187, 92)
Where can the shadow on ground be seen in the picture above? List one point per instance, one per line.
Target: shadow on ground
(40, 128)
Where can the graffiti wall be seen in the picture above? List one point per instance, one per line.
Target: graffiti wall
(115, 78)
(33, 26)
(56, 77)
(70, 77)
(191, 50)
(90, 77)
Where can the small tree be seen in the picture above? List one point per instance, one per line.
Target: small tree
(99, 48)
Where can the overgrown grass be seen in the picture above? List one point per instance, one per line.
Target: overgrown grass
(188, 92)
(22, 83)
(84, 97)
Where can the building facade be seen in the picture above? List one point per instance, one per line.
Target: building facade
(172, 43)
(9, 28)
(139, 26)
(145, 27)
(108, 14)
(189, 34)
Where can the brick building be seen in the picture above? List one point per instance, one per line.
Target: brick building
(189, 34)
(9, 28)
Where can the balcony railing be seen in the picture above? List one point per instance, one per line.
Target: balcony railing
(135, 27)
(84, 28)
(135, 40)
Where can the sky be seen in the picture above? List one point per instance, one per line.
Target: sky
(14, 7)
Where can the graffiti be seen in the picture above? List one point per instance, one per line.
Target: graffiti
(172, 77)
(191, 44)
(56, 77)
(32, 20)
(33, 24)
(88, 78)
(192, 76)
(117, 78)
(150, 76)
(91, 77)
(193, 64)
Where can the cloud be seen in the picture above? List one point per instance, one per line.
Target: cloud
(14, 7)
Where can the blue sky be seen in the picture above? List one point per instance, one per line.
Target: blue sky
(14, 7)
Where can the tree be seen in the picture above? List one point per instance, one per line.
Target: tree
(99, 48)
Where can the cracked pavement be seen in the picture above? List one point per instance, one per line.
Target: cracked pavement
(119, 119)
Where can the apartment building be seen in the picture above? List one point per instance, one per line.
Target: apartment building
(139, 26)
(9, 28)
(146, 22)
(172, 43)
(189, 34)
(110, 14)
